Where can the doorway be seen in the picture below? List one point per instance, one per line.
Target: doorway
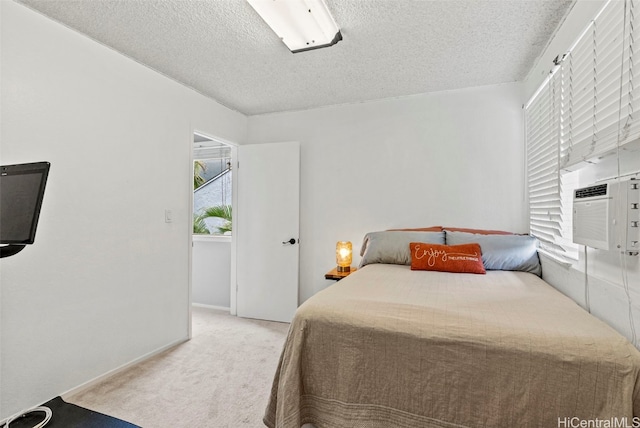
(263, 277)
(211, 233)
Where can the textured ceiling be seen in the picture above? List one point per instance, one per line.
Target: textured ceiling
(390, 48)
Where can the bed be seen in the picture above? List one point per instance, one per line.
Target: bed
(389, 346)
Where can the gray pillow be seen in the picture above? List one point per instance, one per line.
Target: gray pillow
(392, 247)
(503, 252)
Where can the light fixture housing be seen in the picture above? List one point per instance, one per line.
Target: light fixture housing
(301, 24)
(343, 256)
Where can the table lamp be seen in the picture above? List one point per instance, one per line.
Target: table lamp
(343, 256)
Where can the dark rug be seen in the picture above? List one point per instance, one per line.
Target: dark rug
(66, 415)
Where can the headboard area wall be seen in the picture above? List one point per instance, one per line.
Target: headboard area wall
(453, 158)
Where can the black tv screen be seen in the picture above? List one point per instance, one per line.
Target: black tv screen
(21, 192)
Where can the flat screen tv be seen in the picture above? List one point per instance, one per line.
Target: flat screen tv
(21, 192)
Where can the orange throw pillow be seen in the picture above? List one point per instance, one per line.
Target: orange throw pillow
(464, 258)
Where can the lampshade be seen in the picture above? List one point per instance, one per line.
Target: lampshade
(301, 24)
(343, 256)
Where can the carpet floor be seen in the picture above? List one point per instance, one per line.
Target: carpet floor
(221, 378)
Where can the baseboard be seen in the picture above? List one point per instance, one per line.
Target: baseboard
(91, 383)
(219, 308)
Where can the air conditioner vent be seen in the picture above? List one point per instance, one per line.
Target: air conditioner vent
(590, 192)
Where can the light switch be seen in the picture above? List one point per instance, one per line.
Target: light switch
(168, 216)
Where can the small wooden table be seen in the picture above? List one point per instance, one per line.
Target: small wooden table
(334, 274)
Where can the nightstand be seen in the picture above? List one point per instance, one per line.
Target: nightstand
(334, 274)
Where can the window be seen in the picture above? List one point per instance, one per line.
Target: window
(549, 212)
(591, 81)
(587, 108)
(212, 185)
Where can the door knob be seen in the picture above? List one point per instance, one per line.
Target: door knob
(290, 241)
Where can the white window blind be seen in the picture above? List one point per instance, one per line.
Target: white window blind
(542, 116)
(578, 97)
(211, 150)
(630, 102)
(592, 73)
(585, 110)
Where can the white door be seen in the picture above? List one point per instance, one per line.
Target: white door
(268, 208)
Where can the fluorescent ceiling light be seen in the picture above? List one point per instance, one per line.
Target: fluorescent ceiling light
(301, 24)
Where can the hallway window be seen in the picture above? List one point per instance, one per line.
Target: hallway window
(212, 186)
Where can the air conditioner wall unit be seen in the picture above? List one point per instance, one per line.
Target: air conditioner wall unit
(607, 216)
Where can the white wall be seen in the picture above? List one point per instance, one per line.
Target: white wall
(607, 271)
(449, 158)
(106, 281)
(211, 270)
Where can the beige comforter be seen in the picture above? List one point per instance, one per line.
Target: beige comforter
(390, 347)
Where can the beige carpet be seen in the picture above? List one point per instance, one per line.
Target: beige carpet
(221, 378)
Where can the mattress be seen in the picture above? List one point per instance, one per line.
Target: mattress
(390, 347)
